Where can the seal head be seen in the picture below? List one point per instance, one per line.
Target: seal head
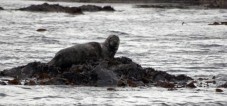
(110, 46)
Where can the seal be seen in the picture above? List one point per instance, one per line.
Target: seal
(80, 53)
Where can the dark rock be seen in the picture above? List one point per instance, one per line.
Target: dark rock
(223, 85)
(215, 23)
(45, 7)
(90, 8)
(132, 83)
(1, 8)
(30, 82)
(93, 8)
(34, 69)
(108, 8)
(2, 83)
(120, 71)
(14, 82)
(224, 23)
(111, 89)
(105, 77)
(165, 84)
(41, 30)
(219, 90)
(191, 85)
(121, 83)
(210, 81)
(14, 72)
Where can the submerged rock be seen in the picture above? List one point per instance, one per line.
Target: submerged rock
(121, 71)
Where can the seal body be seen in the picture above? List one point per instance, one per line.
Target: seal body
(80, 53)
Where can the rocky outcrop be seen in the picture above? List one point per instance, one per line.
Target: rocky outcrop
(45, 7)
(1, 8)
(113, 72)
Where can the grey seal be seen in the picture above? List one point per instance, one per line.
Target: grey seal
(80, 53)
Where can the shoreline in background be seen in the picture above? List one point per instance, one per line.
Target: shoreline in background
(222, 4)
(126, 1)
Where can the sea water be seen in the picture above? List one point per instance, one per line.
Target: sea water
(178, 41)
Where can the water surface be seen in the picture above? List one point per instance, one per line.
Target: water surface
(151, 37)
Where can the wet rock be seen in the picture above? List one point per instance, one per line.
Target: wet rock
(121, 83)
(215, 23)
(121, 71)
(90, 8)
(93, 8)
(111, 89)
(165, 84)
(45, 7)
(14, 82)
(1, 8)
(224, 23)
(105, 77)
(108, 8)
(30, 82)
(219, 90)
(31, 70)
(2, 83)
(191, 85)
(41, 30)
(210, 81)
(218, 23)
(223, 85)
(132, 83)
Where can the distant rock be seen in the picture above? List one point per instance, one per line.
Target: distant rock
(162, 6)
(218, 23)
(41, 30)
(111, 89)
(224, 23)
(45, 7)
(93, 8)
(108, 8)
(215, 23)
(219, 90)
(2, 83)
(223, 85)
(191, 85)
(1, 8)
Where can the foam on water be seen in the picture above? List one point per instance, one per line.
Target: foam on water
(152, 37)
